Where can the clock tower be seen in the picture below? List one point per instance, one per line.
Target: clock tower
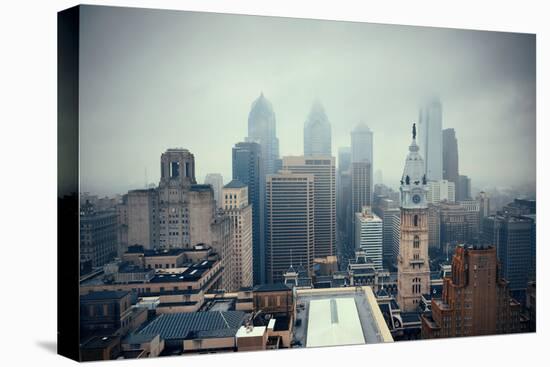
(413, 270)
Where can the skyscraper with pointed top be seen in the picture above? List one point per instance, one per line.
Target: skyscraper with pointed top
(317, 133)
(413, 270)
(262, 129)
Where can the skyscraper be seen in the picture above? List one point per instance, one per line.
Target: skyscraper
(361, 185)
(475, 299)
(176, 178)
(323, 170)
(262, 129)
(235, 205)
(290, 223)
(216, 181)
(98, 235)
(450, 156)
(413, 270)
(343, 206)
(317, 134)
(464, 189)
(247, 168)
(387, 210)
(361, 167)
(369, 235)
(514, 238)
(430, 139)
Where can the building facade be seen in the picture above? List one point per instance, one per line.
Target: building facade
(430, 139)
(143, 221)
(475, 299)
(235, 205)
(317, 133)
(247, 168)
(290, 223)
(369, 236)
(98, 235)
(216, 181)
(450, 156)
(322, 167)
(442, 190)
(413, 271)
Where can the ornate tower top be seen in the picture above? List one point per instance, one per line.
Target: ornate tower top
(413, 182)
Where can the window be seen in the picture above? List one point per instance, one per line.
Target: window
(416, 220)
(416, 242)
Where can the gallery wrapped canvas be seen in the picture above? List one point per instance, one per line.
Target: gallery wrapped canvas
(232, 183)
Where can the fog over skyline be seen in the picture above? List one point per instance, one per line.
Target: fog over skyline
(156, 79)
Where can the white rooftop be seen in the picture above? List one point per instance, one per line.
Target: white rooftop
(245, 332)
(333, 321)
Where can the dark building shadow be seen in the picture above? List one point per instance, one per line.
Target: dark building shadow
(49, 345)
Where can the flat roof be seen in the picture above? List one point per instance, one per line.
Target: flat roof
(333, 321)
(339, 316)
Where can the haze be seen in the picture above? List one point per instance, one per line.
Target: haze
(156, 79)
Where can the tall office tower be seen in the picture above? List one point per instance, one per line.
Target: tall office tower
(442, 190)
(434, 226)
(317, 134)
(514, 238)
(322, 167)
(430, 139)
(361, 186)
(342, 178)
(368, 235)
(484, 208)
(459, 224)
(413, 270)
(177, 175)
(475, 299)
(235, 196)
(464, 189)
(387, 209)
(98, 235)
(450, 156)
(247, 168)
(290, 223)
(362, 144)
(200, 207)
(378, 178)
(222, 242)
(143, 221)
(262, 129)
(396, 229)
(216, 181)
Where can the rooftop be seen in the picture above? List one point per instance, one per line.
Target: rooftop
(195, 324)
(104, 295)
(235, 184)
(339, 316)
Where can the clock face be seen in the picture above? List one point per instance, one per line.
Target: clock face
(416, 199)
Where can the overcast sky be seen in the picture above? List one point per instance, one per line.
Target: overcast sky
(155, 79)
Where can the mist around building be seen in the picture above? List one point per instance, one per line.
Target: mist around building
(305, 251)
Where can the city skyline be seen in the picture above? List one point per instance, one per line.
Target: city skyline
(184, 98)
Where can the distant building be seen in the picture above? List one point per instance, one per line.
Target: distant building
(176, 178)
(434, 226)
(388, 211)
(362, 146)
(361, 185)
(343, 204)
(464, 188)
(122, 225)
(222, 243)
(430, 139)
(143, 218)
(514, 238)
(262, 129)
(323, 169)
(317, 134)
(442, 190)
(290, 223)
(98, 235)
(216, 181)
(484, 207)
(235, 196)
(450, 156)
(369, 235)
(459, 223)
(475, 298)
(247, 168)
